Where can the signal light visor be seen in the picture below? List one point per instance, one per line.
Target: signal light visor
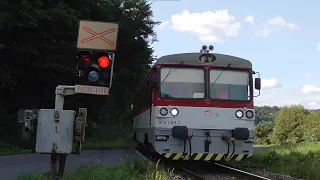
(239, 114)
(104, 62)
(93, 76)
(163, 111)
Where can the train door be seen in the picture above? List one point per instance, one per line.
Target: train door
(153, 88)
(150, 101)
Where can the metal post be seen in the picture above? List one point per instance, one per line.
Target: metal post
(58, 161)
(111, 73)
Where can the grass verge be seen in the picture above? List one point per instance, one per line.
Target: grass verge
(9, 149)
(89, 144)
(134, 170)
(299, 160)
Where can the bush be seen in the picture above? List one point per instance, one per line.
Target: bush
(262, 132)
(289, 125)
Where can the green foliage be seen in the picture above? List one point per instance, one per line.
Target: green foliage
(265, 113)
(289, 124)
(312, 126)
(38, 52)
(262, 132)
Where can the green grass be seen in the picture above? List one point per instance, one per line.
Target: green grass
(89, 144)
(104, 145)
(9, 149)
(135, 170)
(299, 160)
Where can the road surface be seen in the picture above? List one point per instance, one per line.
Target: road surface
(13, 166)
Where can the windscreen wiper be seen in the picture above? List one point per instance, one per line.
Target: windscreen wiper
(171, 71)
(219, 75)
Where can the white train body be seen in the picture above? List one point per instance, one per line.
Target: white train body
(190, 110)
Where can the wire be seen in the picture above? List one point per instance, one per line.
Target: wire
(171, 71)
(190, 146)
(234, 146)
(219, 76)
(227, 141)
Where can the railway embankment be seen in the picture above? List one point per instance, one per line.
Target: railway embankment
(299, 160)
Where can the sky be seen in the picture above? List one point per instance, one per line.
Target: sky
(280, 38)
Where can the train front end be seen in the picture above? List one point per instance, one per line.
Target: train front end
(204, 111)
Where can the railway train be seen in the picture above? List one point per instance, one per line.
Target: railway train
(197, 107)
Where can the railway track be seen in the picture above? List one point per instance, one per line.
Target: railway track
(201, 170)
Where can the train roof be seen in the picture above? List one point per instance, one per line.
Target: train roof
(193, 59)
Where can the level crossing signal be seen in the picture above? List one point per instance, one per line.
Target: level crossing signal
(95, 68)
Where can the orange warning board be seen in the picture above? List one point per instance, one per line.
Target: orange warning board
(97, 35)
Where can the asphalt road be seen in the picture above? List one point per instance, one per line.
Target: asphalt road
(13, 166)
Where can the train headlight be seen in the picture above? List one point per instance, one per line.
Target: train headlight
(163, 111)
(174, 111)
(249, 114)
(239, 114)
(203, 58)
(207, 58)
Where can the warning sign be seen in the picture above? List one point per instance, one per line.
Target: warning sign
(97, 35)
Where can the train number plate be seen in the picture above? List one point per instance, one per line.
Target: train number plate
(173, 122)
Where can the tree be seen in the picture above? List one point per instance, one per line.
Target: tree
(262, 132)
(289, 125)
(37, 52)
(312, 126)
(265, 113)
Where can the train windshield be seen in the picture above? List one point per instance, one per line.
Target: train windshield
(182, 83)
(230, 85)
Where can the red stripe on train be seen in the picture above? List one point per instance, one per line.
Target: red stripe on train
(202, 103)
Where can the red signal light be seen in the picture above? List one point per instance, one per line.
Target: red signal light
(86, 60)
(104, 62)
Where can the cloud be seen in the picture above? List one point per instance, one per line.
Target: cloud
(314, 105)
(209, 26)
(283, 97)
(279, 21)
(269, 83)
(162, 25)
(310, 89)
(265, 32)
(318, 47)
(249, 19)
(308, 76)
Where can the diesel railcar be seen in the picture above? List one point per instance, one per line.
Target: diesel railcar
(197, 107)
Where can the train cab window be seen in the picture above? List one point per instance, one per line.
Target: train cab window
(230, 85)
(182, 83)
